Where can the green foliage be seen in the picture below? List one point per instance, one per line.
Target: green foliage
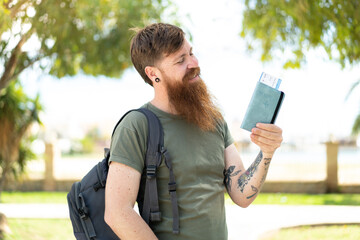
(69, 36)
(88, 144)
(356, 126)
(62, 37)
(90, 140)
(25, 154)
(299, 25)
(17, 113)
(17, 107)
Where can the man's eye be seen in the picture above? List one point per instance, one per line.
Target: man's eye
(181, 61)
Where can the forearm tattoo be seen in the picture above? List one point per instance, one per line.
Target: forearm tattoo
(267, 162)
(245, 177)
(228, 173)
(255, 190)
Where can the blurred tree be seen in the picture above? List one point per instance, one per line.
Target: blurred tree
(61, 37)
(66, 36)
(298, 25)
(17, 113)
(90, 140)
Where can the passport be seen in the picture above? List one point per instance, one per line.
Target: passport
(264, 106)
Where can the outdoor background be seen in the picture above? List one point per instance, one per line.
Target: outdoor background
(80, 102)
(314, 109)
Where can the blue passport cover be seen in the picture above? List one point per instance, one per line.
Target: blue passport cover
(264, 106)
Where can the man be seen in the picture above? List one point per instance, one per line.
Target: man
(197, 137)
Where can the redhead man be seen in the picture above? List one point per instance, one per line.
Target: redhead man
(205, 160)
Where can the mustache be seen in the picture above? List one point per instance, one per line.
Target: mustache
(191, 73)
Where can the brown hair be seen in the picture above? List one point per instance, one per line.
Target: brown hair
(153, 42)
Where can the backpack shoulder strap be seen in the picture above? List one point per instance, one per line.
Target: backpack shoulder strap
(155, 151)
(151, 211)
(155, 142)
(155, 131)
(153, 160)
(123, 116)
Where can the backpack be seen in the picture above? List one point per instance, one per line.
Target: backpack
(86, 199)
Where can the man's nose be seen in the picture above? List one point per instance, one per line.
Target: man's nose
(194, 63)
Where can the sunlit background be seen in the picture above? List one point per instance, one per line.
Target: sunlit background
(315, 109)
(79, 113)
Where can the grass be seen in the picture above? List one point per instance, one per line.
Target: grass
(40, 229)
(54, 229)
(59, 229)
(33, 197)
(263, 198)
(328, 232)
(305, 199)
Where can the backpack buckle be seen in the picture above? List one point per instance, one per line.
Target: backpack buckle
(172, 186)
(83, 213)
(155, 216)
(151, 171)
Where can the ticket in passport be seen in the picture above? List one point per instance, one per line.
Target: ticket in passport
(265, 102)
(270, 80)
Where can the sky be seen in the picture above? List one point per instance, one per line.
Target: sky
(314, 108)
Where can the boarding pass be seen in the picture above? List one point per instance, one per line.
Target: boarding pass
(270, 80)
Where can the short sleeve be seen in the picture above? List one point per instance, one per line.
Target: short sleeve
(128, 144)
(228, 139)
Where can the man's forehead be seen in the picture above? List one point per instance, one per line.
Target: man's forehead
(184, 49)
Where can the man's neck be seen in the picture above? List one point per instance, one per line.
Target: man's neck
(163, 104)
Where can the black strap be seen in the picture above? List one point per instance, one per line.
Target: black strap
(155, 151)
(172, 192)
(151, 211)
(83, 213)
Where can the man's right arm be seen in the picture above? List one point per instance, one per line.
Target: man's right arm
(121, 191)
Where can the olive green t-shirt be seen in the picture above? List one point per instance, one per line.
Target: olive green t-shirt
(198, 163)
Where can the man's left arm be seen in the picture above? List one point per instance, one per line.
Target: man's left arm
(244, 185)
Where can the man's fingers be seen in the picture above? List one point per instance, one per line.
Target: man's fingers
(267, 141)
(263, 146)
(267, 136)
(277, 136)
(269, 127)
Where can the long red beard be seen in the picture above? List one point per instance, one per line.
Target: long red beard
(193, 101)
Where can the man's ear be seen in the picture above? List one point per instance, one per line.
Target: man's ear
(152, 73)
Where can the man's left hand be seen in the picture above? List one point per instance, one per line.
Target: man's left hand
(267, 136)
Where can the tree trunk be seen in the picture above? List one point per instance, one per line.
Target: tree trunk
(11, 64)
(9, 149)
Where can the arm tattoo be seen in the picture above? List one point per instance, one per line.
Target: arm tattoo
(228, 173)
(245, 177)
(255, 190)
(267, 162)
(263, 179)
